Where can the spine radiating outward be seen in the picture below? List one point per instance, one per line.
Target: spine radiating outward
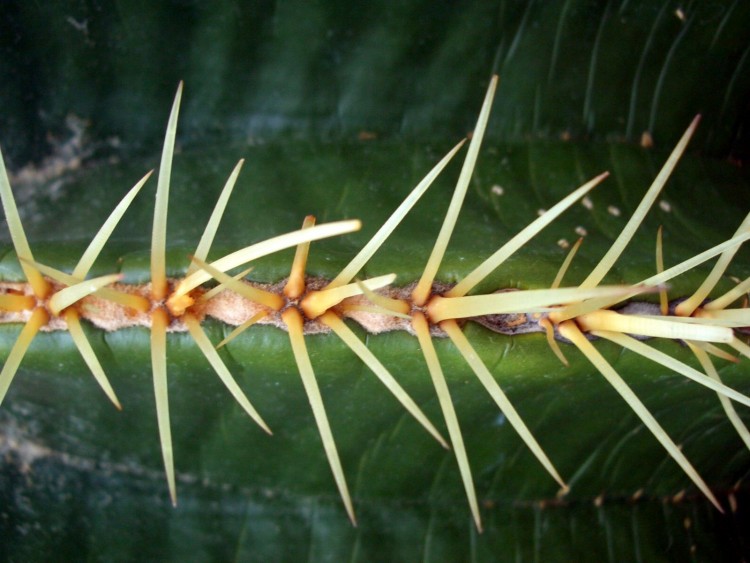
(56, 300)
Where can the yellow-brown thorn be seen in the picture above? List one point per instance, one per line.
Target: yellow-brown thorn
(136, 302)
(663, 298)
(422, 330)
(214, 291)
(210, 353)
(294, 322)
(689, 305)
(396, 307)
(159, 285)
(421, 291)
(570, 330)
(14, 302)
(242, 328)
(262, 297)
(338, 326)
(727, 405)
(549, 330)
(39, 285)
(159, 322)
(506, 407)
(315, 303)
(630, 228)
(566, 264)
(87, 352)
(295, 285)
(39, 318)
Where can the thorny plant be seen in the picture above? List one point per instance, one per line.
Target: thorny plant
(54, 300)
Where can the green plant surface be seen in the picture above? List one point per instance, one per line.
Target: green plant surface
(302, 83)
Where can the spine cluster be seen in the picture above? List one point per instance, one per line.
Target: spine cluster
(54, 300)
